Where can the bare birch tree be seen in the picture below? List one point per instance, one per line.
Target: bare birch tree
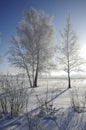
(31, 49)
(68, 50)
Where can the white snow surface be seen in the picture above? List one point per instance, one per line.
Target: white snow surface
(63, 118)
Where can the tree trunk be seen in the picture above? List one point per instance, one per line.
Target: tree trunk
(69, 82)
(29, 80)
(36, 78)
(33, 74)
(29, 77)
(37, 69)
(27, 72)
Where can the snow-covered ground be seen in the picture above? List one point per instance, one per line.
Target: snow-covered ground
(55, 92)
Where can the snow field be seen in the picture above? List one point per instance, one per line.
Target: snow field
(55, 92)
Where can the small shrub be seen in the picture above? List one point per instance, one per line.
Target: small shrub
(14, 97)
(78, 103)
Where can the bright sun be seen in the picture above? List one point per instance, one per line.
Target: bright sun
(83, 51)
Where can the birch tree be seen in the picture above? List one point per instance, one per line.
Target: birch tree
(31, 49)
(68, 50)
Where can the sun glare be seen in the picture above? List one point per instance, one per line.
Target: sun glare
(83, 52)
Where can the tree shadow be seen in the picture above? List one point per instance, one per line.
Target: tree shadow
(49, 101)
(57, 95)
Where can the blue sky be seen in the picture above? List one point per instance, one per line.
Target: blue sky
(11, 13)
